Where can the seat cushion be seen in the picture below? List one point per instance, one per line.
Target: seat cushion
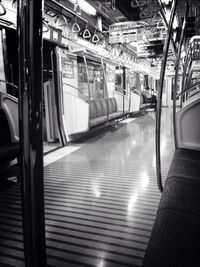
(115, 115)
(174, 240)
(98, 120)
(176, 232)
(181, 194)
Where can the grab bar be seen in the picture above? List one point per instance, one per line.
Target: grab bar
(177, 69)
(160, 92)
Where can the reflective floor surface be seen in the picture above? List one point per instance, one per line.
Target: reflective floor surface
(100, 200)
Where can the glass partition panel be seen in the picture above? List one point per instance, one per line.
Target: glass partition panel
(119, 79)
(82, 79)
(95, 78)
(127, 85)
(135, 82)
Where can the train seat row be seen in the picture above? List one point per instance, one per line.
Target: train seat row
(148, 101)
(102, 110)
(176, 232)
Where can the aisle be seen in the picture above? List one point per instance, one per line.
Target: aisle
(100, 200)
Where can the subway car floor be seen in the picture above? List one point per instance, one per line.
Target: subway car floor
(100, 200)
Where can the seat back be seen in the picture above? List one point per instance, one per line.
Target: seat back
(114, 104)
(9, 105)
(104, 106)
(99, 108)
(93, 112)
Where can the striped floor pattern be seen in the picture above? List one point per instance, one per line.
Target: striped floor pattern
(100, 201)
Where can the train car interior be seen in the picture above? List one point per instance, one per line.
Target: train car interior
(99, 133)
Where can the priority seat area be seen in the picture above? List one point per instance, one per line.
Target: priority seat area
(103, 110)
(175, 236)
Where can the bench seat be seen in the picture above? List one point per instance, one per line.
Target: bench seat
(176, 232)
(100, 108)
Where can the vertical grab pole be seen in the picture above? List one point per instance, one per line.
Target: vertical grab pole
(105, 86)
(88, 82)
(123, 88)
(160, 92)
(177, 69)
(30, 127)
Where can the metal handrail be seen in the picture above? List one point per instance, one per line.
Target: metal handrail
(188, 90)
(105, 86)
(188, 65)
(160, 92)
(11, 84)
(76, 88)
(177, 69)
(87, 72)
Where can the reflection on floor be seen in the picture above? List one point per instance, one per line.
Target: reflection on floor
(100, 200)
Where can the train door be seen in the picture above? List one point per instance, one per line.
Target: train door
(51, 133)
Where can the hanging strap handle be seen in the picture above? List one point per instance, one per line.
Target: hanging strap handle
(95, 38)
(45, 24)
(86, 33)
(61, 21)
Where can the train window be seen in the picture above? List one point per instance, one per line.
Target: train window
(135, 82)
(119, 79)
(82, 80)
(126, 81)
(95, 78)
(146, 81)
(177, 89)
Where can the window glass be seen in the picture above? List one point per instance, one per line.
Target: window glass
(95, 77)
(135, 82)
(96, 80)
(119, 79)
(127, 81)
(82, 81)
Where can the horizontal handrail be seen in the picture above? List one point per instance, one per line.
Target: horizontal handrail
(188, 90)
(11, 84)
(194, 38)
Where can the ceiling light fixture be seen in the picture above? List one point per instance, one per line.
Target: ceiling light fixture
(86, 7)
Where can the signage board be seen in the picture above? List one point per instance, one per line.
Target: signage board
(122, 26)
(125, 36)
(123, 32)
